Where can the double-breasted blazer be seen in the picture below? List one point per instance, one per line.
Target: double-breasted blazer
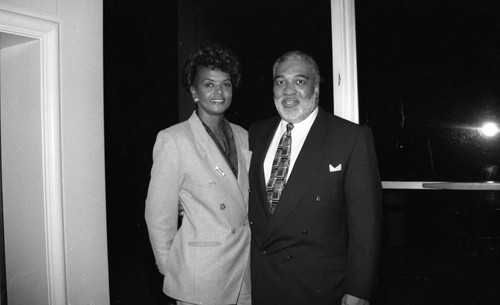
(323, 239)
(206, 260)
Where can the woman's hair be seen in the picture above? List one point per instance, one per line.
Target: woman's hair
(213, 57)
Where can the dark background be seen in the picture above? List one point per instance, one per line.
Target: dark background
(140, 98)
(440, 247)
(144, 46)
(428, 74)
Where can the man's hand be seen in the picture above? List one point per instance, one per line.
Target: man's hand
(352, 300)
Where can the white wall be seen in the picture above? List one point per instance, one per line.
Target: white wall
(77, 153)
(83, 151)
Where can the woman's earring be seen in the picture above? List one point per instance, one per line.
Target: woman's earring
(196, 100)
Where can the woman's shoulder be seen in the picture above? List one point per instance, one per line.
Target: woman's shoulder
(179, 128)
(240, 135)
(177, 133)
(238, 129)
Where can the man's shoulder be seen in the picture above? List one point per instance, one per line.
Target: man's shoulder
(336, 120)
(333, 122)
(340, 128)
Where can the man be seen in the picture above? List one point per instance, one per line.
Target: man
(315, 241)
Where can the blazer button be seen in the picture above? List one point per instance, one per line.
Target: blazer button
(287, 258)
(304, 232)
(222, 206)
(263, 252)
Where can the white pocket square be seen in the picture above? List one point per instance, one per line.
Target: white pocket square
(335, 168)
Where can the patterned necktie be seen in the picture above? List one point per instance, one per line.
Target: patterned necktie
(281, 161)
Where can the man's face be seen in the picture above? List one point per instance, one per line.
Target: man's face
(295, 90)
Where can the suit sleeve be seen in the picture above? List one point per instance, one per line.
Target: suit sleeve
(363, 196)
(161, 211)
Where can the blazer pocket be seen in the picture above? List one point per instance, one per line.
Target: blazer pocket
(205, 243)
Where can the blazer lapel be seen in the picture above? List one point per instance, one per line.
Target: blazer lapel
(305, 169)
(222, 172)
(244, 156)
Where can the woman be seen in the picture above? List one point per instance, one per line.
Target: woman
(201, 166)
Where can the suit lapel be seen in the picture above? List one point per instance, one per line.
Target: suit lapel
(259, 212)
(263, 147)
(218, 165)
(305, 169)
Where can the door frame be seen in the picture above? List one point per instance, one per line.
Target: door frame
(47, 33)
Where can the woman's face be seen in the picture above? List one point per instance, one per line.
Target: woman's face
(214, 91)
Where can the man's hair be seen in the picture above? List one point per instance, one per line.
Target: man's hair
(298, 55)
(213, 57)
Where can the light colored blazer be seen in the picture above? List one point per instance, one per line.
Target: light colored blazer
(208, 258)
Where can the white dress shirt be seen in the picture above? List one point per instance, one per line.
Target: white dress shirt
(299, 134)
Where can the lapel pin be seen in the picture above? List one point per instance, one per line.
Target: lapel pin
(217, 168)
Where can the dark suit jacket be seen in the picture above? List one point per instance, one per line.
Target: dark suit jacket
(323, 239)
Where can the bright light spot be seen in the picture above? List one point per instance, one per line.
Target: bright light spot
(489, 129)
